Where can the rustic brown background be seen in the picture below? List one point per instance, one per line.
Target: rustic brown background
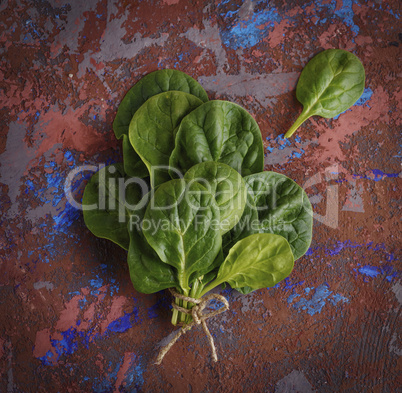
(70, 320)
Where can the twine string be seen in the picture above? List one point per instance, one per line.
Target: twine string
(199, 318)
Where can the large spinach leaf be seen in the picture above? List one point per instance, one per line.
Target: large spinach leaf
(330, 83)
(283, 208)
(107, 199)
(152, 127)
(154, 83)
(257, 261)
(147, 271)
(227, 187)
(219, 131)
(182, 225)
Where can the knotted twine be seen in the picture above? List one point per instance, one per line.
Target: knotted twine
(199, 318)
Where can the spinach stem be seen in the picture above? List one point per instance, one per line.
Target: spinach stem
(299, 121)
(178, 316)
(183, 316)
(175, 315)
(194, 294)
(209, 287)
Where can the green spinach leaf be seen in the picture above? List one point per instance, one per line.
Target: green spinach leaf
(152, 127)
(182, 225)
(107, 199)
(227, 187)
(152, 84)
(257, 261)
(148, 272)
(283, 208)
(329, 84)
(133, 165)
(219, 131)
(247, 225)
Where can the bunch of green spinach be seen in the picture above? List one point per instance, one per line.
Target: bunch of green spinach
(191, 202)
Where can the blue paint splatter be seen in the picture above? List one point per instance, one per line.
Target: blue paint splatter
(365, 97)
(289, 285)
(107, 384)
(292, 297)
(134, 376)
(346, 14)
(47, 360)
(378, 175)
(68, 344)
(62, 221)
(96, 282)
(385, 269)
(336, 298)
(370, 271)
(391, 276)
(73, 339)
(123, 323)
(52, 192)
(317, 301)
(65, 215)
(248, 33)
(280, 143)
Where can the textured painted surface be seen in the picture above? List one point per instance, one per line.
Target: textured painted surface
(70, 318)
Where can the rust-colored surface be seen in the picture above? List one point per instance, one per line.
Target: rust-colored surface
(70, 318)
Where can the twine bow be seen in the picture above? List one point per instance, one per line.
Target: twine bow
(199, 318)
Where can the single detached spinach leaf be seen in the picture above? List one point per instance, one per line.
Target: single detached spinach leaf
(283, 208)
(219, 131)
(107, 199)
(147, 272)
(182, 225)
(257, 261)
(152, 128)
(154, 83)
(330, 83)
(227, 187)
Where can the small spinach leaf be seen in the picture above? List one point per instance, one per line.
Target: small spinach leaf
(182, 225)
(107, 198)
(227, 187)
(152, 127)
(257, 261)
(219, 131)
(330, 83)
